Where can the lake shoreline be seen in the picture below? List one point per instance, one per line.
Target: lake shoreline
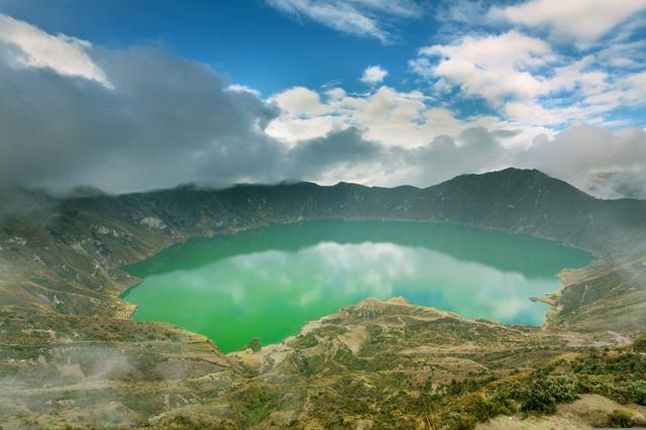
(462, 231)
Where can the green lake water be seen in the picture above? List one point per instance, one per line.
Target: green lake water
(267, 283)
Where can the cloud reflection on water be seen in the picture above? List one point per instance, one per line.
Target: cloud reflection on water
(330, 272)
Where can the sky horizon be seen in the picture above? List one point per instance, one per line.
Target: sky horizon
(135, 95)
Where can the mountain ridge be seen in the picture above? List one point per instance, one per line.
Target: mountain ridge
(205, 187)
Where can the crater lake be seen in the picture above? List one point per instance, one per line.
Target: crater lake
(266, 283)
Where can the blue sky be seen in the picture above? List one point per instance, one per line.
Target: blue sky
(381, 92)
(249, 40)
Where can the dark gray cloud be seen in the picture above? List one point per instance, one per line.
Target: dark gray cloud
(342, 149)
(475, 150)
(598, 160)
(166, 121)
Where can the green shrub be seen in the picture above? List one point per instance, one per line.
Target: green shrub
(546, 391)
(464, 386)
(460, 421)
(620, 418)
(254, 344)
(483, 409)
(639, 345)
(308, 365)
(622, 391)
(306, 341)
(636, 392)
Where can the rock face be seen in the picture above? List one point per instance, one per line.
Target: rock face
(153, 222)
(66, 358)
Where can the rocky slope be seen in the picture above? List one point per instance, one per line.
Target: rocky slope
(67, 357)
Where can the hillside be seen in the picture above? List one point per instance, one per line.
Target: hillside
(380, 364)
(68, 356)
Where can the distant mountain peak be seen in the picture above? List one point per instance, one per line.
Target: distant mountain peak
(510, 171)
(509, 185)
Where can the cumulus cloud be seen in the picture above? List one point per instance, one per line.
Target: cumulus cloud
(374, 75)
(389, 117)
(529, 83)
(154, 129)
(582, 21)
(304, 116)
(365, 18)
(64, 55)
(300, 101)
(290, 129)
(493, 67)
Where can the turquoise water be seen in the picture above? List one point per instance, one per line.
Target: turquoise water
(267, 283)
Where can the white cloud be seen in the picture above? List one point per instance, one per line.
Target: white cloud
(627, 55)
(582, 21)
(531, 113)
(239, 88)
(335, 93)
(291, 130)
(392, 118)
(304, 116)
(628, 90)
(365, 18)
(528, 83)
(494, 67)
(300, 101)
(64, 55)
(374, 75)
